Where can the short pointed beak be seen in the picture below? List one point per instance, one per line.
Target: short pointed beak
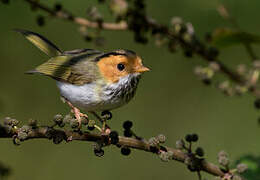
(142, 69)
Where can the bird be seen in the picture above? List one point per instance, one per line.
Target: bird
(89, 80)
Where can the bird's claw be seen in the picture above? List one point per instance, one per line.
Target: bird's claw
(79, 115)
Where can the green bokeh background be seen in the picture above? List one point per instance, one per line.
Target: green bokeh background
(170, 99)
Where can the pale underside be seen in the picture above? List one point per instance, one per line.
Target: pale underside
(100, 95)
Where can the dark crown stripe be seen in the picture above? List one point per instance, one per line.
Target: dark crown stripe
(127, 53)
(109, 54)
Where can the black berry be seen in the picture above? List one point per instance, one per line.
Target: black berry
(127, 125)
(125, 151)
(107, 115)
(188, 138)
(114, 137)
(91, 128)
(113, 134)
(128, 133)
(194, 137)
(99, 152)
(199, 151)
(40, 21)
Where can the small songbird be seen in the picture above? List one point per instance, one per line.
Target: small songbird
(88, 79)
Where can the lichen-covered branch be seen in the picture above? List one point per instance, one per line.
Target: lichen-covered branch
(43, 132)
(185, 155)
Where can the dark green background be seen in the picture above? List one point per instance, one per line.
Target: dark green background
(170, 99)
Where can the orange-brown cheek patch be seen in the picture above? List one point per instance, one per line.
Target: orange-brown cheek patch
(108, 68)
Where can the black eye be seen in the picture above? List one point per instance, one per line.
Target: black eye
(120, 67)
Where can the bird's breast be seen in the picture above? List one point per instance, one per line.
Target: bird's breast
(100, 95)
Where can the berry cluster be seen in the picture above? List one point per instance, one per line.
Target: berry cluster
(114, 139)
(127, 125)
(69, 119)
(191, 138)
(194, 159)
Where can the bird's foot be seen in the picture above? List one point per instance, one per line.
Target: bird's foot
(78, 115)
(105, 128)
(106, 131)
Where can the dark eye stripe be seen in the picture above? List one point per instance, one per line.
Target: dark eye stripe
(120, 67)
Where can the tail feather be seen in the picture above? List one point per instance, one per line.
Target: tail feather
(33, 71)
(41, 42)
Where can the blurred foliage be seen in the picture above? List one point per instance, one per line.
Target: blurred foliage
(253, 163)
(4, 171)
(223, 37)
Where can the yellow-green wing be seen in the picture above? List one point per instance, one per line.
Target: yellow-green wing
(78, 70)
(57, 68)
(41, 42)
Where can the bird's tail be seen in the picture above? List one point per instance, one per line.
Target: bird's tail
(41, 42)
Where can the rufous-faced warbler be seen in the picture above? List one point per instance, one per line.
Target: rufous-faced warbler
(88, 79)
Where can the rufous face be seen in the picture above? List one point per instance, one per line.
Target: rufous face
(116, 66)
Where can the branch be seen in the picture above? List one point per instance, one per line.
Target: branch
(43, 132)
(77, 20)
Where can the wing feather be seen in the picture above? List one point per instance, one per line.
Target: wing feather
(78, 70)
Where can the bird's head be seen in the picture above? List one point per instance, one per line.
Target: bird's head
(120, 63)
